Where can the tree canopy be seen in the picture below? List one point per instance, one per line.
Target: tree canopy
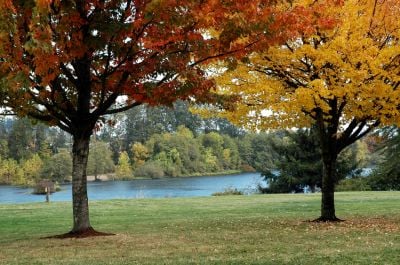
(343, 79)
(348, 75)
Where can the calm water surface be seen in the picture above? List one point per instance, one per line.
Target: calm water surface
(149, 188)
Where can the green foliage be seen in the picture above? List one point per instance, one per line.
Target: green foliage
(151, 169)
(29, 152)
(293, 161)
(228, 192)
(230, 154)
(182, 153)
(32, 169)
(170, 162)
(214, 141)
(353, 184)
(41, 143)
(26, 172)
(222, 126)
(256, 151)
(387, 175)
(210, 160)
(144, 121)
(4, 137)
(59, 167)
(100, 159)
(379, 181)
(21, 143)
(298, 163)
(11, 173)
(59, 140)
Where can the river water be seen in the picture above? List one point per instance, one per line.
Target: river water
(142, 188)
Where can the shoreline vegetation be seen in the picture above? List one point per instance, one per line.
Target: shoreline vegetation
(258, 229)
(111, 176)
(177, 153)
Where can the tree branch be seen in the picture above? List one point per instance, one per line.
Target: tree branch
(117, 110)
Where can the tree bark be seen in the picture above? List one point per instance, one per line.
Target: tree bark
(330, 151)
(80, 153)
(328, 188)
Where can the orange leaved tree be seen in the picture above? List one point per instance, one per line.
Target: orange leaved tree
(344, 80)
(70, 63)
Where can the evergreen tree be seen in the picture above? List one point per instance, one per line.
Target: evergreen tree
(3, 138)
(299, 165)
(21, 143)
(387, 175)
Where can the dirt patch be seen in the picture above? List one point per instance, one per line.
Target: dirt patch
(90, 232)
(326, 220)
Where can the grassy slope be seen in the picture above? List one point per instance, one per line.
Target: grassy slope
(259, 229)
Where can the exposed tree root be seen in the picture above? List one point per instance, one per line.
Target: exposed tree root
(327, 220)
(90, 232)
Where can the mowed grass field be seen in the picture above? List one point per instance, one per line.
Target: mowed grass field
(257, 229)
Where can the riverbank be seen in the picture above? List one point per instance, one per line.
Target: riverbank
(258, 229)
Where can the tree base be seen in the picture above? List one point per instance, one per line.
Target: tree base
(90, 232)
(327, 220)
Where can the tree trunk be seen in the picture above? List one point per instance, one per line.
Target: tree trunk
(329, 178)
(327, 132)
(80, 205)
(80, 153)
(328, 188)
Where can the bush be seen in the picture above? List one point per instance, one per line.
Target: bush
(172, 171)
(41, 186)
(228, 191)
(152, 169)
(384, 181)
(353, 184)
(247, 168)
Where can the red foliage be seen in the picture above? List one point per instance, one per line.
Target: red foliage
(61, 53)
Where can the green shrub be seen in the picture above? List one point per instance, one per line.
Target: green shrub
(353, 184)
(152, 169)
(172, 171)
(228, 191)
(385, 180)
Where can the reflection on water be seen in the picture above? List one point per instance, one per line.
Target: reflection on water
(148, 188)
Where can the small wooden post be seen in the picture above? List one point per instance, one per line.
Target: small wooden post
(47, 190)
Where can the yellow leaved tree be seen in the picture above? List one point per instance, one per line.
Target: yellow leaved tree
(345, 81)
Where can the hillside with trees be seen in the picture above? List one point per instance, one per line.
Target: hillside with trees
(145, 143)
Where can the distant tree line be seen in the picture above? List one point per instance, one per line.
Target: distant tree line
(170, 142)
(146, 142)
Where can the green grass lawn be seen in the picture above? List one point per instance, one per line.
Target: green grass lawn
(258, 229)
